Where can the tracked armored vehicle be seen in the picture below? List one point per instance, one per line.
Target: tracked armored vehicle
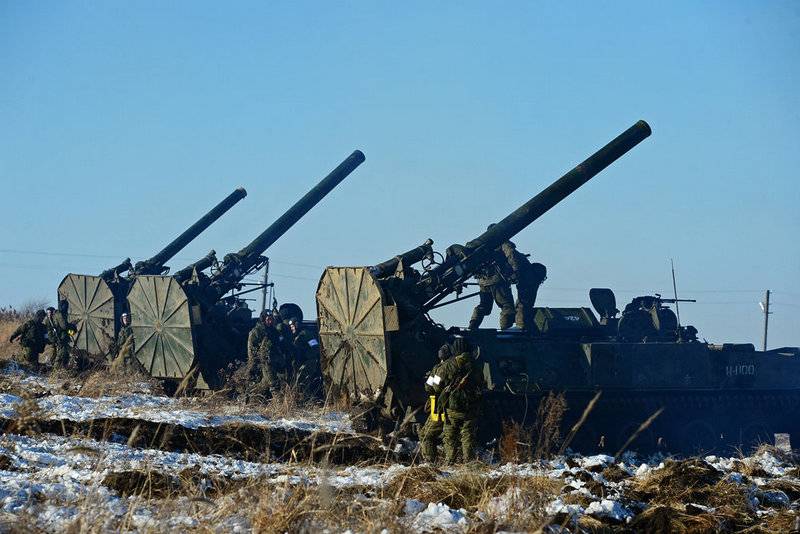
(95, 303)
(192, 325)
(378, 341)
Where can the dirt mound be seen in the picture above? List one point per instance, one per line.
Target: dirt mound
(664, 519)
(614, 473)
(684, 481)
(6, 463)
(694, 488)
(150, 484)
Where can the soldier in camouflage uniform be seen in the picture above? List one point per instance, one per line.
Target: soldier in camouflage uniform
(266, 360)
(431, 432)
(58, 337)
(124, 347)
(494, 287)
(305, 358)
(527, 277)
(462, 387)
(32, 338)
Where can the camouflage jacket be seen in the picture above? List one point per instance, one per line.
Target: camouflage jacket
(434, 384)
(31, 334)
(433, 379)
(125, 336)
(57, 329)
(495, 271)
(305, 348)
(264, 348)
(516, 261)
(462, 384)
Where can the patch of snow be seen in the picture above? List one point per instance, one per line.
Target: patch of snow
(735, 477)
(557, 506)
(769, 463)
(699, 507)
(8, 405)
(598, 460)
(167, 410)
(643, 470)
(413, 507)
(776, 498)
(610, 509)
(439, 516)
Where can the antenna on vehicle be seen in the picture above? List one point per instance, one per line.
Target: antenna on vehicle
(675, 293)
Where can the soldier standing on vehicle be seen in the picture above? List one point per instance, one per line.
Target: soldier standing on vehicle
(460, 399)
(32, 338)
(494, 288)
(305, 358)
(58, 337)
(527, 277)
(431, 432)
(266, 361)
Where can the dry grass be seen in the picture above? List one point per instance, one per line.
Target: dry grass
(7, 326)
(782, 521)
(679, 481)
(493, 502)
(519, 443)
(671, 489)
(548, 425)
(664, 519)
(524, 499)
(100, 381)
(515, 443)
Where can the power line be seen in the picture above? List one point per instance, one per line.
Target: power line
(115, 256)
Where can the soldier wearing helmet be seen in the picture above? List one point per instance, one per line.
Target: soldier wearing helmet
(527, 277)
(460, 400)
(267, 364)
(431, 432)
(58, 336)
(494, 288)
(32, 336)
(508, 266)
(123, 350)
(305, 358)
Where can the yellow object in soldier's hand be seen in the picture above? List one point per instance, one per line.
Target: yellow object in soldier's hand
(434, 414)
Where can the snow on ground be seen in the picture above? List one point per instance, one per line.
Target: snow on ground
(183, 412)
(55, 479)
(56, 458)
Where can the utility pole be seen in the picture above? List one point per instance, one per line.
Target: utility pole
(266, 285)
(765, 307)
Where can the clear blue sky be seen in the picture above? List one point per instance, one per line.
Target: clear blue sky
(122, 122)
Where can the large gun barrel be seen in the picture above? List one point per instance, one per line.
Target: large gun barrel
(201, 329)
(200, 265)
(109, 274)
(446, 276)
(155, 265)
(235, 266)
(411, 257)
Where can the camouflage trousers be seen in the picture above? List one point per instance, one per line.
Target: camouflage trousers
(30, 356)
(496, 293)
(264, 379)
(59, 355)
(526, 299)
(429, 439)
(459, 434)
(527, 288)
